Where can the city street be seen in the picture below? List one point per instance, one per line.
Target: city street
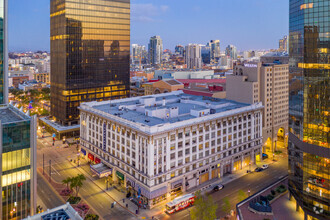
(62, 168)
(94, 189)
(253, 181)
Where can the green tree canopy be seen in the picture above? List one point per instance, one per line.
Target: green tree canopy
(226, 205)
(241, 195)
(204, 208)
(77, 182)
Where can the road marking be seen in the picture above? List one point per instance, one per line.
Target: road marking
(55, 170)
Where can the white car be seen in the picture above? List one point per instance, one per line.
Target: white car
(265, 166)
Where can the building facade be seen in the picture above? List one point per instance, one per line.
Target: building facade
(283, 44)
(165, 144)
(215, 50)
(231, 51)
(162, 86)
(3, 52)
(179, 49)
(266, 83)
(17, 163)
(193, 56)
(90, 54)
(155, 50)
(309, 153)
(139, 54)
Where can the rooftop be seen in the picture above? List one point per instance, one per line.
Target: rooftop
(9, 113)
(166, 111)
(61, 212)
(276, 54)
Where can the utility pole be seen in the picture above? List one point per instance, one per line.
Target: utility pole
(50, 170)
(43, 164)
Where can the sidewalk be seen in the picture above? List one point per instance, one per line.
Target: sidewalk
(158, 210)
(114, 194)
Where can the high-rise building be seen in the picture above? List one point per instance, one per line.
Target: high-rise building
(90, 53)
(179, 49)
(3, 52)
(283, 44)
(309, 136)
(17, 163)
(174, 141)
(215, 50)
(206, 54)
(138, 53)
(266, 83)
(155, 50)
(231, 51)
(193, 56)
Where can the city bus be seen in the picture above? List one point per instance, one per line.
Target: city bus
(180, 203)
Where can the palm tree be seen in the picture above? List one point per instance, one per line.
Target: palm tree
(77, 182)
(67, 181)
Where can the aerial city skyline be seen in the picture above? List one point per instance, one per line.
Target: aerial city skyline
(149, 18)
(148, 109)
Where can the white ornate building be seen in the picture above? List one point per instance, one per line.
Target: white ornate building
(162, 145)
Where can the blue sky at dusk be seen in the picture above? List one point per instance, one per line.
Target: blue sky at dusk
(248, 24)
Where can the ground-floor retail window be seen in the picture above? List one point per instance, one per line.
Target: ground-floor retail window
(159, 199)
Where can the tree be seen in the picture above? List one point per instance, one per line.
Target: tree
(241, 195)
(67, 181)
(204, 208)
(226, 205)
(77, 182)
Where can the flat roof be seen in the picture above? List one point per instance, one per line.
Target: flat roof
(9, 113)
(149, 111)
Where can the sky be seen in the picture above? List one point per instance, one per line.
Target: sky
(247, 24)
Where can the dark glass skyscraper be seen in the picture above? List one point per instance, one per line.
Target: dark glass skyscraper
(309, 148)
(90, 50)
(3, 52)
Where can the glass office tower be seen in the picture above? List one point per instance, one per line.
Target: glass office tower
(90, 51)
(3, 52)
(309, 149)
(17, 163)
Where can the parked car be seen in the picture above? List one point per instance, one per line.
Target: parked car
(218, 187)
(265, 166)
(264, 156)
(258, 169)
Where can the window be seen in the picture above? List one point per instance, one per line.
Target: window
(173, 137)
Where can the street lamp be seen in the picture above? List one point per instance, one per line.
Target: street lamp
(78, 158)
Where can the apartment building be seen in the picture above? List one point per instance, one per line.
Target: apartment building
(267, 83)
(162, 145)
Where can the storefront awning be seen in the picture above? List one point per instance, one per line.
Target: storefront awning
(158, 192)
(120, 175)
(101, 170)
(176, 184)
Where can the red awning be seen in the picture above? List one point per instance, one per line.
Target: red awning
(97, 160)
(91, 156)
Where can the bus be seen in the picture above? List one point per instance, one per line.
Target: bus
(180, 203)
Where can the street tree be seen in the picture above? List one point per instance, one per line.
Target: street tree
(204, 208)
(241, 195)
(67, 181)
(226, 205)
(77, 182)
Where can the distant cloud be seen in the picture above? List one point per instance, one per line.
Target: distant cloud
(147, 12)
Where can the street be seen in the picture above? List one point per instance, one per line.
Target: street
(95, 194)
(61, 168)
(253, 181)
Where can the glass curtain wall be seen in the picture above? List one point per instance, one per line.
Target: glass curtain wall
(90, 52)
